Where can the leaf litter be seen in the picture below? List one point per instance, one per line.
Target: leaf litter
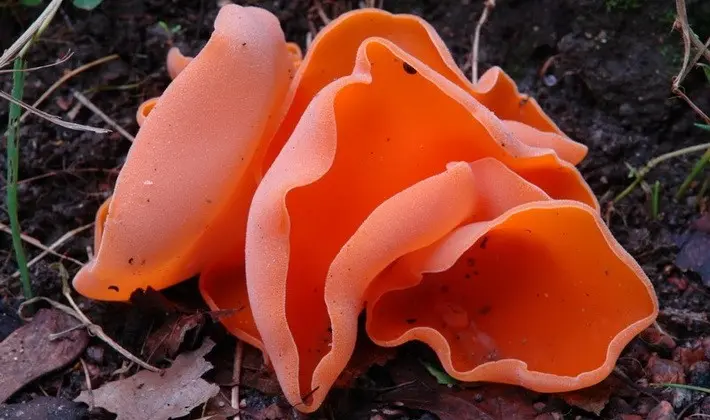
(158, 396)
(47, 343)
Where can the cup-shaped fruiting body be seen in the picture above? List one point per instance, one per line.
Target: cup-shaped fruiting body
(189, 166)
(450, 210)
(332, 55)
(365, 138)
(540, 295)
(176, 62)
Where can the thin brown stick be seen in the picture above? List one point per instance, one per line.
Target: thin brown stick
(88, 383)
(236, 376)
(48, 249)
(689, 40)
(68, 172)
(52, 118)
(692, 105)
(93, 329)
(18, 47)
(66, 77)
(321, 13)
(63, 59)
(683, 17)
(108, 120)
(488, 6)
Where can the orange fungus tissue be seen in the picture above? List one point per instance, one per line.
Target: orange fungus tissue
(369, 175)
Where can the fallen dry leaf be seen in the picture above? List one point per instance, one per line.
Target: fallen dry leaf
(663, 411)
(694, 249)
(662, 371)
(219, 406)
(28, 352)
(366, 355)
(43, 408)
(592, 399)
(256, 375)
(151, 300)
(490, 402)
(166, 340)
(419, 390)
(158, 396)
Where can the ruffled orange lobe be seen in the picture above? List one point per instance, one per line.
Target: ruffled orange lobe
(189, 165)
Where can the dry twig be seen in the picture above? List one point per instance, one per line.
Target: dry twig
(321, 13)
(42, 20)
(689, 40)
(488, 6)
(66, 57)
(87, 103)
(88, 384)
(66, 77)
(51, 118)
(92, 328)
(236, 376)
(48, 249)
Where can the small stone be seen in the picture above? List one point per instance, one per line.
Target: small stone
(626, 110)
(700, 374)
(704, 405)
(681, 283)
(687, 356)
(95, 354)
(681, 398)
(42, 408)
(654, 337)
(663, 371)
(663, 411)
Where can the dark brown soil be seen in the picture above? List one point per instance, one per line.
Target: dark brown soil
(607, 65)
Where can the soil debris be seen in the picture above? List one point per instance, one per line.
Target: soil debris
(30, 351)
(43, 408)
(158, 396)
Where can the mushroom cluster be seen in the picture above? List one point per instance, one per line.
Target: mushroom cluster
(369, 175)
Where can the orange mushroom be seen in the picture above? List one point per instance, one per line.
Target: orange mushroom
(379, 171)
(296, 54)
(329, 179)
(176, 62)
(188, 172)
(332, 55)
(144, 110)
(540, 295)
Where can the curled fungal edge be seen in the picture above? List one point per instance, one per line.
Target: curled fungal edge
(374, 177)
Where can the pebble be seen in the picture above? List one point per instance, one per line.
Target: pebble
(663, 411)
(665, 371)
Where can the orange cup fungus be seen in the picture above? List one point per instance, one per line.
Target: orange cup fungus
(369, 175)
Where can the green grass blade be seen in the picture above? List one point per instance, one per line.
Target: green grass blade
(13, 163)
(699, 166)
(655, 200)
(683, 386)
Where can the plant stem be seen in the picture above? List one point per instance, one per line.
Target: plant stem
(655, 200)
(13, 163)
(641, 173)
(699, 165)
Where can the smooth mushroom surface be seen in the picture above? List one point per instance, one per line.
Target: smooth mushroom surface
(331, 175)
(540, 296)
(371, 175)
(188, 169)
